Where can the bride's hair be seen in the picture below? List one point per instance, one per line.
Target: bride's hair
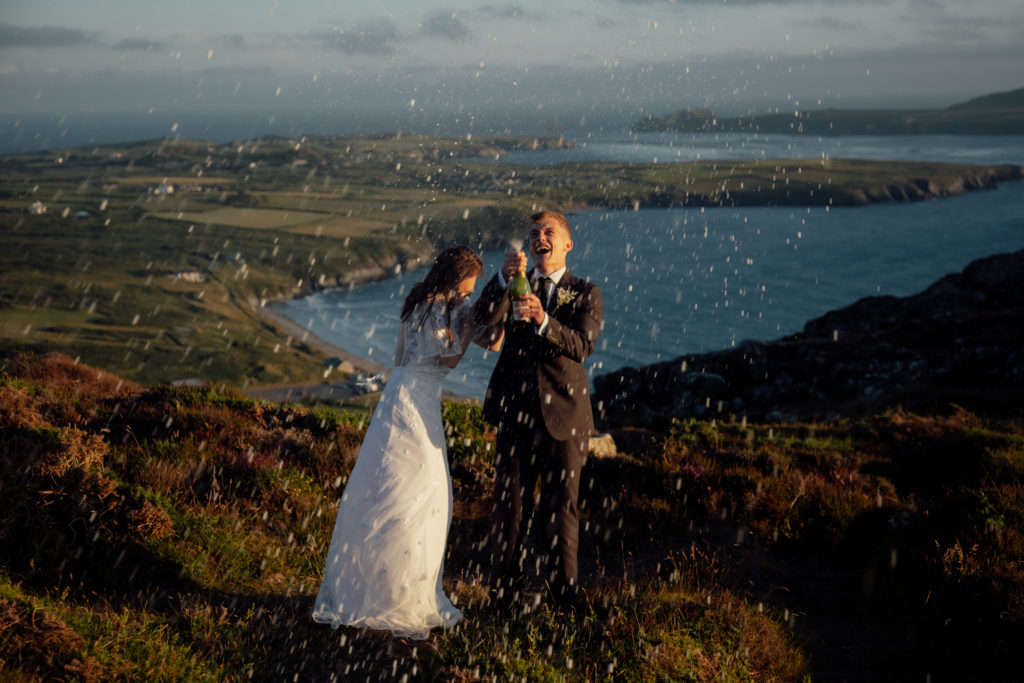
(452, 266)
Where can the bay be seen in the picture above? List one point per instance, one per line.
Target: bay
(679, 281)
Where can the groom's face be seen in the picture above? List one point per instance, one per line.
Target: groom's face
(549, 244)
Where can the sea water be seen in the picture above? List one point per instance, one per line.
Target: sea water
(678, 281)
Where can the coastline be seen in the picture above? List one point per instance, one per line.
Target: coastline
(349, 363)
(357, 363)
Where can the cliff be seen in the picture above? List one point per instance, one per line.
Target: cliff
(958, 342)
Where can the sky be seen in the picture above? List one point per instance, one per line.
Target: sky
(463, 61)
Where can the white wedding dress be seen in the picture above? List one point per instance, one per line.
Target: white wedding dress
(386, 556)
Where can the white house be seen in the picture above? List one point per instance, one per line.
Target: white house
(190, 276)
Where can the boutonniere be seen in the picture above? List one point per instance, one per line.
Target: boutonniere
(563, 295)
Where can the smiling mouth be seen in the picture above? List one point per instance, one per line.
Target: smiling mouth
(542, 250)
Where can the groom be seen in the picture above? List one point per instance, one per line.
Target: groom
(539, 400)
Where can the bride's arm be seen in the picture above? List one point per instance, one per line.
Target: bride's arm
(488, 336)
(456, 350)
(464, 331)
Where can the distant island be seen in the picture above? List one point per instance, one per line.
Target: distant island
(995, 114)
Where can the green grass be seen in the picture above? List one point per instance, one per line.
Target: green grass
(51, 633)
(644, 632)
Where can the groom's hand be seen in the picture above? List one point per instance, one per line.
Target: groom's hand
(515, 261)
(532, 309)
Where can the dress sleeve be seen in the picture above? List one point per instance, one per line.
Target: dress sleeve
(429, 335)
(447, 337)
(464, 324)
(434, 333)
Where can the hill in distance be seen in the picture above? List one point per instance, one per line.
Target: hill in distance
(1012, 99)
(994, 114)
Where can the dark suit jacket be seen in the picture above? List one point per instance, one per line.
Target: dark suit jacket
(547, 368)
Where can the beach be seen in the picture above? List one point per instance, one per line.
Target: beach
(348, 364)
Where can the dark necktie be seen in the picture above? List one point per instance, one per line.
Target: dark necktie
(542, 291)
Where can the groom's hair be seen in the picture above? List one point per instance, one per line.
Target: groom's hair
(556, 216)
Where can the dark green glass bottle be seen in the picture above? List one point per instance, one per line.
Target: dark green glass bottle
(518, 289)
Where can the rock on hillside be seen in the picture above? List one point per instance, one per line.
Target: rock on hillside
(960, 341)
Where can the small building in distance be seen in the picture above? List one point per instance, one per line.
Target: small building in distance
(190, 275)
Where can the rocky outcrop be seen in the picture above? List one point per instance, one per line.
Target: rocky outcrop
(409, 256)
(959, 341)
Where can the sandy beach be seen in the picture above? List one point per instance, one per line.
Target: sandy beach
(349, 364)
(357, 363)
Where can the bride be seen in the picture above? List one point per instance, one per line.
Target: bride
(386, 556)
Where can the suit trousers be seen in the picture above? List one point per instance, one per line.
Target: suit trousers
(527, 456)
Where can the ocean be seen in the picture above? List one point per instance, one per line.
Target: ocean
(678, 281)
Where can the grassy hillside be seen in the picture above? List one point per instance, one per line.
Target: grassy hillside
(156, 533)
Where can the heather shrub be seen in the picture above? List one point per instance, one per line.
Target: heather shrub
(38, 467)
(38, 643)
(329, 461)
(238, 429)
(77, 450)
(18, 405)
(150, 521)
(70, 392)
(171, 468)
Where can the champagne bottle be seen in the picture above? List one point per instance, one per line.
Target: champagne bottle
(518, 289)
